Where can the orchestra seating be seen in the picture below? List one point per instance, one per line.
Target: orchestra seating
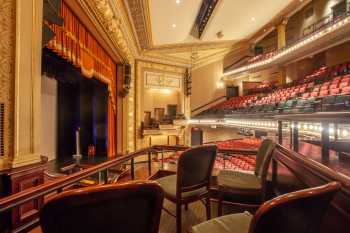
(132, 207)
(232, 161)
(287, 213)
(326, 89)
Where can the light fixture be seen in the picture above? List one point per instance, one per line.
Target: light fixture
(345, 133)
(253, 19)
(178, 1)
(220, 84)
(174, 25)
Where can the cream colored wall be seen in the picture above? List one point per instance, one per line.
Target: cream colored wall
(204, 81)
(272, 74)
(297, 22)
(154, 98)
(49, 117)
(338, 54)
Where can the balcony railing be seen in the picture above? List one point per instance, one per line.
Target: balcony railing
(61, 182)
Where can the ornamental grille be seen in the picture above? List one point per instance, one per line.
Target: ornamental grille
(2, 116)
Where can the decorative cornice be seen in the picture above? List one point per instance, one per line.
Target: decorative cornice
(110, 16)
(138, 11)
(184, 47)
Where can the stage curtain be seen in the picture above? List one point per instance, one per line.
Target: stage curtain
(75, 43)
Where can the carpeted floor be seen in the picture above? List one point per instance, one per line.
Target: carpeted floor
(194, 215)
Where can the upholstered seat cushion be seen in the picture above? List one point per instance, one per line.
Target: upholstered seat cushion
(233, 223)
(168, 184)
(238, 180)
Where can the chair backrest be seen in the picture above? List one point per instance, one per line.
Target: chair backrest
(263, 156)
(296, 212)
(195, 166)
(131, 207)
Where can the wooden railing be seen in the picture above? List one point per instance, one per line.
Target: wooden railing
(58, 184)
(202, 107)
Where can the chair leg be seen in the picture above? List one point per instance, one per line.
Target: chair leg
(178, 218)
(220, 205)
(208, 208)
(186, 206)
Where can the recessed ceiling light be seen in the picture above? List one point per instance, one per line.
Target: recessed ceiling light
(178, 1)
(253, 18)
(174, 25)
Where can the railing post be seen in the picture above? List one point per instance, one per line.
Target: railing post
(280, 133)
(295, 136)
(103, 177)
(325, 141)
(149, 163)
(162, 158)
(132, 169)
(274, 172)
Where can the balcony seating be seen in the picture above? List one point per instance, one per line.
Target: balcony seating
(321, 84)
(297, 212)
(132, 207)
(240, 186)
(191, 182)
(336, 103)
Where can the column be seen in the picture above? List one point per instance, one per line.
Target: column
(281, 34)
(27, 82)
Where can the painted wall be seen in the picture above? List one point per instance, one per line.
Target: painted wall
(49, 117)
(298, 22)
(272, 74)
(154, 98)
(338, 54)
(204, 84)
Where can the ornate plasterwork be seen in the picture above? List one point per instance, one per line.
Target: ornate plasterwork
(174, 54)
(138, 10)
(112, 19)
(7, 58)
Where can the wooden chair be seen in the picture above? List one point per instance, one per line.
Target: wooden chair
(244, 187)
(191, 182)
(297, 212)
(131, 207)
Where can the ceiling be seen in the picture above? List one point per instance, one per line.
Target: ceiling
(163, 27)
(237, 19)
(166, 13)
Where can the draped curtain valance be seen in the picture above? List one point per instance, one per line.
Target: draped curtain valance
(75, 43)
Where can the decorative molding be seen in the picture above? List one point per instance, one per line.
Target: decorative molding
(162, 81)
(139, 13)
(110, 16)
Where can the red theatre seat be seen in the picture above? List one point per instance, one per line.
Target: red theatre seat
(344, 83)
(335, 91)
(314, 94)
(333, 86)
(306, 95)
(324, 93)
(346, 90)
